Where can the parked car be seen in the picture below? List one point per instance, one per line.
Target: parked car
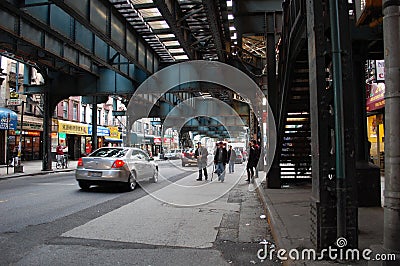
(239, 157)
(173, 154)
(244, 153)
(123, 165)
(188, 157)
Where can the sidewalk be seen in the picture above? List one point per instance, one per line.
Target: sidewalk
(33, 168)
(290, 220)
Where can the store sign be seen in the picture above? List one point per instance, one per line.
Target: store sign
(380, 70)
(31, 133)
(168, 140)
(14, 95)
(6, 124)
(101, 131)
(72, 128)
(376, 97)
(14, 102)
(8, 119)
(114, 133)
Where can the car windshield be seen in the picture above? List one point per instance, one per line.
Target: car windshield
(109, 152)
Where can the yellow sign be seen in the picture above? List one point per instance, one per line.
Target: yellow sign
(114, 133)
(375, 124)
(72, 128)
(14, 95)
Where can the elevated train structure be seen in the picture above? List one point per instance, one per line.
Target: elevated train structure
(96, 48)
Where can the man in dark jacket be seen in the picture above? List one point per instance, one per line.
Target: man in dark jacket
(252, 161)
(221, 159)
(232, 159)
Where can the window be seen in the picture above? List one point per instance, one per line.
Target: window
(110, 152)
(99, 116)
(139, 126)
(106, 112)
(65, 110)
(13, 67)
(75, 111)
(83, 117)
(91, 115)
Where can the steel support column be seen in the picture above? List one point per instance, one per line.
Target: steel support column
(47, 114)
(50, 101)
(322, 212)
(94, 124)
(274, 178)
(323, 206)
(350, 204)
(391, 21)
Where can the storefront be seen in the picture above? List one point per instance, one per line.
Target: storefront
(8, 124)
(114, 139)
(149, 143)
(31, 148)
(86, 142)
(31, 138)
(157, 146)
(70, 135)
(375, 121)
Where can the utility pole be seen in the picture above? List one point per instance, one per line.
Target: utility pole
(391, 34)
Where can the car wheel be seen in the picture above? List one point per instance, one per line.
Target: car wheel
(131, 185)
(154, 179)
(84, 185)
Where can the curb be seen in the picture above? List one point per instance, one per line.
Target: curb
(36, 173)
(278, 229)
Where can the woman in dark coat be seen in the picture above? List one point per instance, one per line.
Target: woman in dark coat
(252, 161)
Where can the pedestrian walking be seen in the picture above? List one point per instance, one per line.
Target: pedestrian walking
(232, 159)
(221, 159)
(201, 154)
(252, 161)
(14, 156)
(60, 153)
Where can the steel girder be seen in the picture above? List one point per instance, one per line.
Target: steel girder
(215, 27)
(38, 32)
(206, 21)
(170, 12)
(114, 30)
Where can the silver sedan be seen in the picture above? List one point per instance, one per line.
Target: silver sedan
(123, 165)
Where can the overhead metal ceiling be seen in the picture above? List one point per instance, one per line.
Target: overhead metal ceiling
(182, 29)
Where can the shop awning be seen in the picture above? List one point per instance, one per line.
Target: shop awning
(8, 119)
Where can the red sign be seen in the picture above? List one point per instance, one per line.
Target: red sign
(157, 140)
(376, 96)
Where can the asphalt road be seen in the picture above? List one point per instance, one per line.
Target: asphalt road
(48, 220)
